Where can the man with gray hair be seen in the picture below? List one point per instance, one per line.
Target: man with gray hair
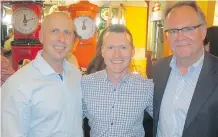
(186, 84)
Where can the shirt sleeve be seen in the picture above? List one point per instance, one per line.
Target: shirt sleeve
(84, 107)
(150, 89)
(15, 112)
(78, 130)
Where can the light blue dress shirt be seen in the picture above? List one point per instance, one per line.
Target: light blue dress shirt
(116, 111)
(177, 98)
(36, 102)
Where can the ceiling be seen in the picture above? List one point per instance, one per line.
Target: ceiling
(99, 2)
(49, 3)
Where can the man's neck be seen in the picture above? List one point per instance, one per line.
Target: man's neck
(116, 77)
(184, 63)
(57, 66)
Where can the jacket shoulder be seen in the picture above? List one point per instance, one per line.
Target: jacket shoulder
(162, 61)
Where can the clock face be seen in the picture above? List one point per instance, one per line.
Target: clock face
(105, 13)
(25, 20)
(85, 27)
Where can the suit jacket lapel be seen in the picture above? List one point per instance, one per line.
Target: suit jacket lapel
(204, 87)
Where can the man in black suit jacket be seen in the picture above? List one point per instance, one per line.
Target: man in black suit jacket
(186, 84)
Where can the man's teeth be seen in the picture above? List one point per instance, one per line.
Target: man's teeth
(117, 62)
(59, 47)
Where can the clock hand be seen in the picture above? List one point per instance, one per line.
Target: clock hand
(84, 26)
(30, 19)
(24, 19)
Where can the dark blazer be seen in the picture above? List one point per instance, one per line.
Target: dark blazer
(202, 116)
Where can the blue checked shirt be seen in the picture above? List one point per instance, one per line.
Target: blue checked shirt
(116, 111)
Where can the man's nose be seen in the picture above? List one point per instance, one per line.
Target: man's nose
(61, 37)
(180, 35)
(116, 52)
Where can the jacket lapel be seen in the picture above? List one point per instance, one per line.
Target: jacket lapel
(204, 87)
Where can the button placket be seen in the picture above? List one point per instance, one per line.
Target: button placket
(113, 113)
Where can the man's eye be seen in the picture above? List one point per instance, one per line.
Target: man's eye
(187, 29)
(54, 30)
(68, 33)
(109, 47)
(173, 31)
(123, 47)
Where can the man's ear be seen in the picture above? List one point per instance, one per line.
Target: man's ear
(133, 51)
(76, 42)
(165, 36)
(102, 51)
(41, 35)
(203, 32)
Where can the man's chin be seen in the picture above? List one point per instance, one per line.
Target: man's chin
(183, 56)
(59, 58)
(119, 71)
(116, 72)
(61, 55)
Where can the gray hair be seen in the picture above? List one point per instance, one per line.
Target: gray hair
(192, 4)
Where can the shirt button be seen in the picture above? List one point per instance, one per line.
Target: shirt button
(114, 89)
(112, 106)
(112, 123)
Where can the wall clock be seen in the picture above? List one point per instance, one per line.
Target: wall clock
(105, 13)
(25, 21)
(85, 27)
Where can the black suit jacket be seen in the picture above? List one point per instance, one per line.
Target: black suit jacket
(202, 116)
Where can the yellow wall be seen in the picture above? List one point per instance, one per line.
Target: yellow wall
(136, 22)
(208, 7)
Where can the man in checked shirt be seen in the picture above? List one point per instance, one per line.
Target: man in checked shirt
(114, 99)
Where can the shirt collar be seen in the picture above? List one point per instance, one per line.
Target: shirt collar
(40, 64)
(193, 66)
(124, 79)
